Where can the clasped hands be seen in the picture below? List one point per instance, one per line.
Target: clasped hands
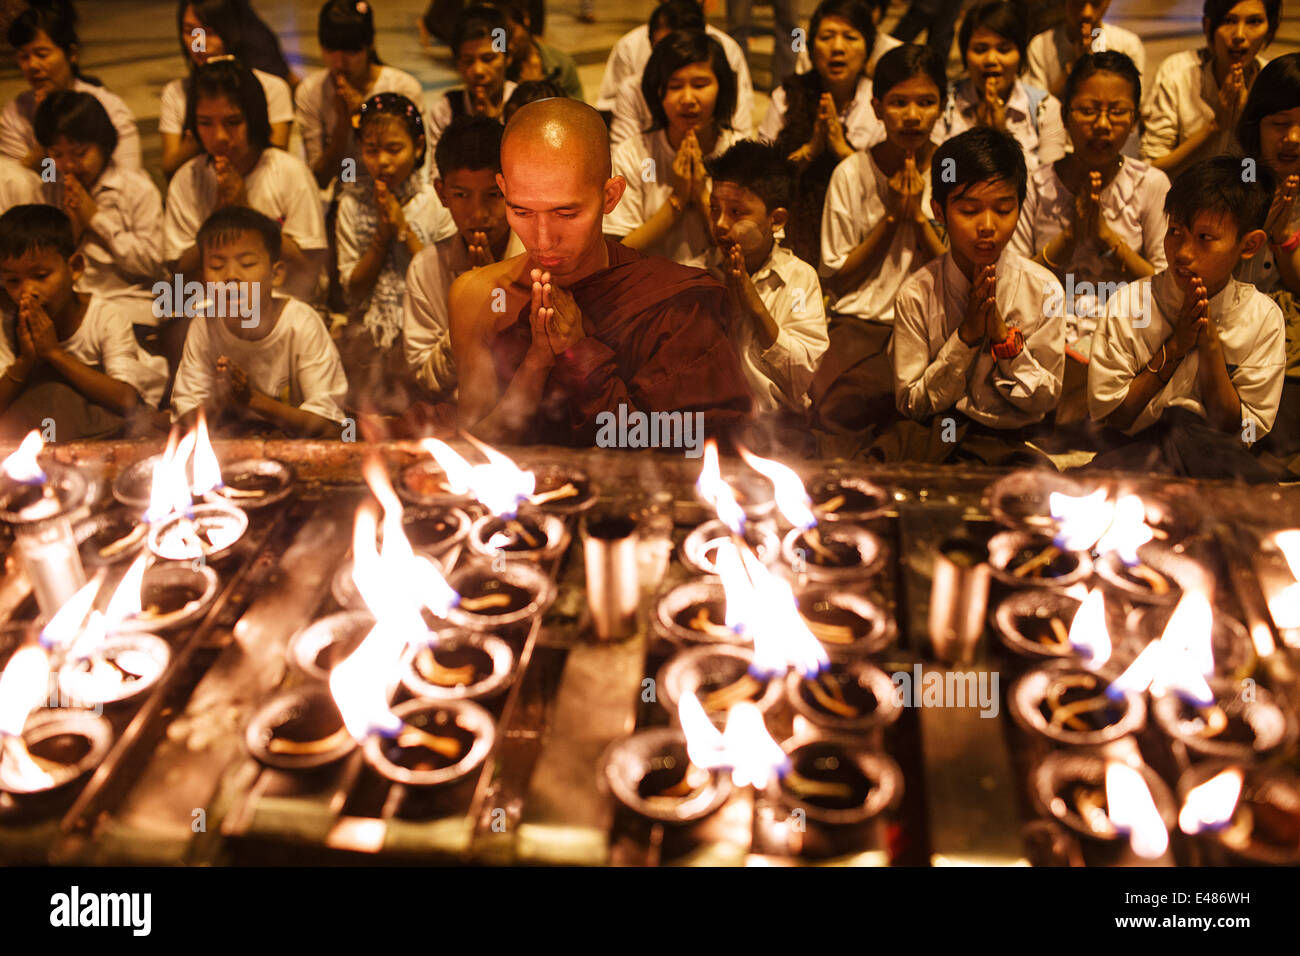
(554, 317)
(982, 320)
(690, 183)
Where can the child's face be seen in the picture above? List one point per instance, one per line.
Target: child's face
(980, 220)
(480, 65)
(43, 274)
(195, 34)
(1208, 247)
(909, 111)
(690, 98)
(1241, 35)
(352, 65)
(1087, 13)
(1101, 116)
(1279, 141)
(243, 259)
(991, 54)
(222, 128)
(839, 50)
(475, 202)
(738, 217)
(388, 152)
(45, 65)
(81, 161)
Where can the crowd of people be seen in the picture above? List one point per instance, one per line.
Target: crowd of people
(1049, 258)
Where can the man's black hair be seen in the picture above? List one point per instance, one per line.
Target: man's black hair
(978, 155)
(1224, 185)
(469, 142)
(35, 226)
(231, 222)
(759, 167)
(1109, 61)
(76, 116)
(238, 84)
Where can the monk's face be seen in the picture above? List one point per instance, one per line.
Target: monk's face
(556, 207)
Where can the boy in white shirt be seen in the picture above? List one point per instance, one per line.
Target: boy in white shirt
(1193, 362)
(481, 62)
(468, 159)
(780, 335)
(1054, 52)
(976, 353)
(277, 367)
(68, 356)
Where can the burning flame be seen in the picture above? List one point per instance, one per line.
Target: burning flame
(1128, 530)
(1181, 659)
(62, 630)
(23, 685)
(717, 492)
(206, 468)
(1212, 804)
(499, 484)
(170, 492)
(745, 746)
(791, 496)
(1132, 810)
(22, 465)
(1081, 521)
(126, 600)
(1088, 633)
(1284, 606)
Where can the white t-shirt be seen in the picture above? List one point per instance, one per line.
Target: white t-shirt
(19, 186)
(171, 108)
(646, 162)
(862, 128)
(296, 364)
(280, 186)
(106, 342)
(1251, 331)
(934, 370)
(441, 115)
(426, 320)
(1133, 205)
(123, 245)
(1179, 104)
(632, 115)
(632, 52)
(780, 375)
(855, 205)
(1043, 140)
(18, 136)
(1052, 48)
(358, 220)
(315, 102)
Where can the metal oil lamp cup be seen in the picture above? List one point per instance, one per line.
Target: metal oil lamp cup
(121, 669)
(492, 597)
(441, 742)
(1067, 706)
(299, 730)
(1264, 829)
(41, 518)
(709, 672)
(839, 553)
(700, 548)
(457, 665)
(1244, 725)
(850, 696)
(325, 643)
(531, 536)
(650, 773)
(836, 781)
(67, 743)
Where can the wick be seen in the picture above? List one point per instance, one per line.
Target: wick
(522, 532)
(831, 505)
(1040, 560)
(722, 698)
(567, 490)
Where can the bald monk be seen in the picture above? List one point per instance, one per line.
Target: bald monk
(579, 324)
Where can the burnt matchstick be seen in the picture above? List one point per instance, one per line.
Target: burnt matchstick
(566, 490)
(281, 745)
(484, 602)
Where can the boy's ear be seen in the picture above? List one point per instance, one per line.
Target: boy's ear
(1251, 243)
(278, 271)
(437, 187)
(77, 266)
(937, 209)
(875, 105)
(779, 216)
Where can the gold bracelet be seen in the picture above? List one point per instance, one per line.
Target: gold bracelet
(1047, 261)
(1164, 357)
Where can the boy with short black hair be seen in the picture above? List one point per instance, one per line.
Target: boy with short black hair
(269, 359)
(975, 350)
(1193, 360)
(68, 357)
(481, 59)
(780, 334)
(468, 158)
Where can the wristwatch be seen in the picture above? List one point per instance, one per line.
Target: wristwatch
(1010, 347)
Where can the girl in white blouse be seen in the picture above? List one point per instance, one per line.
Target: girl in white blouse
(45, 41)
(1095, 215)
(1198, 95)
(209, 29)
(994, 41)
(691, 91)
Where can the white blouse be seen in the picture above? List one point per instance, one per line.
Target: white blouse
(19, 186)
(171, 108)
(1041, 134)
(316, 101)
(18, 136)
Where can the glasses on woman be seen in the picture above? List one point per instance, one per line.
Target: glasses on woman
(1090, 114)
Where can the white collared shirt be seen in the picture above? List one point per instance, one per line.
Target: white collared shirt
(1043, 141)
(1179, 105)
(1132, 204)
(646, 162)
(780, 375)
(1052, 48)
(280, 186)
(18, 136)
(172, 104)
(934, 370)
(1251, 331)
(862, 128)
(123, 245)
(855, 205)
(632, 52)
(296, 363)
(426, 319)
(105, 341)
(316, 102)
(632, 115)
(19, 186)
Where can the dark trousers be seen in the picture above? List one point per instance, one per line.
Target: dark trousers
(937, 18)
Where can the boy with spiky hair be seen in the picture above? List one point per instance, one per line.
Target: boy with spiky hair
(69, 357)
(1192, 361)
(270, 363)
(781, 333)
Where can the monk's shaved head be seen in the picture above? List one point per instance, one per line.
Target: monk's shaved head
(564, 128)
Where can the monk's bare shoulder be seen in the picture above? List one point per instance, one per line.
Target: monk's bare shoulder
(475, 300)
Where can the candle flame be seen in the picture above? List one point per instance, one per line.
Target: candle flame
(170, 491)
(1088, 633)
(126, 600)
(717, 492)
(24, 684)
(499, 484)
(1284, 606)
(65, 625)
(1081, 521)
(206, 468)
(791, 496)
(745, 746)
(1128, 530)
(1212, 804)
(1133, 811)
(1181, 659)
(22, 465)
